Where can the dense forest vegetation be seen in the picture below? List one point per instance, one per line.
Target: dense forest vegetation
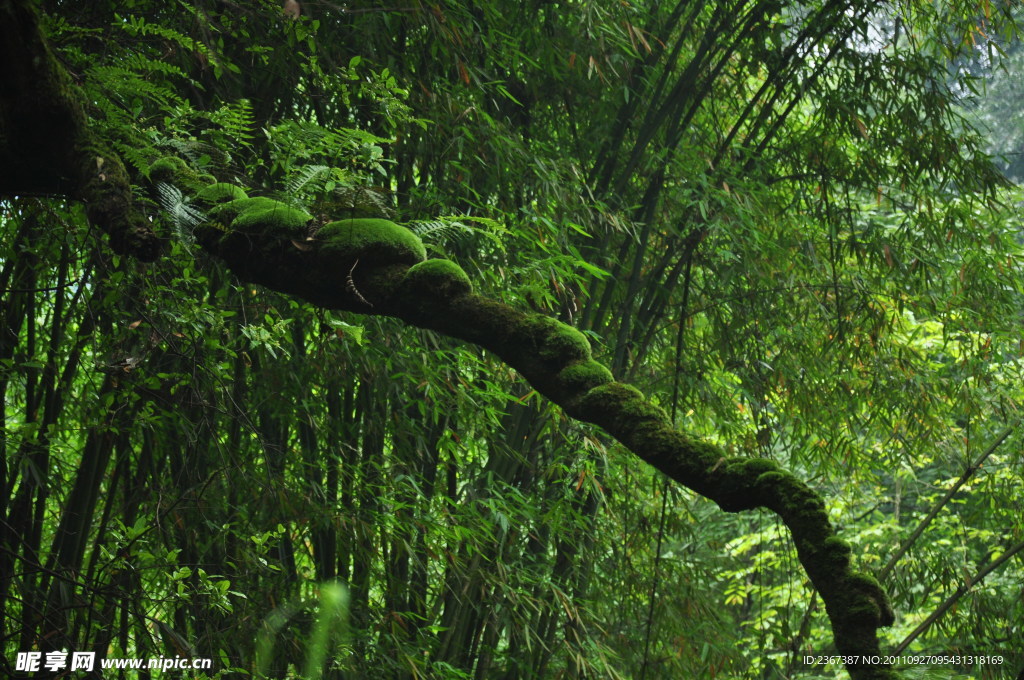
(697, 352)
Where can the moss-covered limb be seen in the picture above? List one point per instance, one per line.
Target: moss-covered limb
(345, 269)
(104, 187)
(371, 241)
(45, 143)
(555, 360)
(355, 265)
(856, 605)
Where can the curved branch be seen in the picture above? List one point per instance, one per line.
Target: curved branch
(261, 246)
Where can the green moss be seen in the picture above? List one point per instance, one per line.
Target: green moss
(566, 344)
(866, 583)
(769, 480)
(277, 218)
(627, 409)
(785, 493)
(837, 552)
(557, 342)
(640, 408)
(221, 192)
(754, 468)
(867, 602)
(813, 505)
(703, 454)
(440, 276)
(584, 375)
(167, 169)
(864, 611)
(792, 491)
(225, 213)
(371, 241)
(872, 600)
(174, 170)
(610, 396)
(746, 482)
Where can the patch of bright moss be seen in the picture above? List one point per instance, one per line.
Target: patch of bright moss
(769, 480)
(443, 276)
(868, 602)
(371, 241)
(616, 392)
(753, 468)
(174, 170)
(227, 212)
(277, 218)
(558, 342)
(813, 506)
(640, 408)
(167, 169)
(625, 404)
(755, 473)
(867, 584)
(585, 375)
(221, 192)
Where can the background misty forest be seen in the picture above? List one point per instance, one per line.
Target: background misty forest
(780, 220)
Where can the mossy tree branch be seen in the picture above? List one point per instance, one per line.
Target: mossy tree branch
(376, 267)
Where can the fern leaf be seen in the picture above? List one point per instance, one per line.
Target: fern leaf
(453, 228)
(314, 175)
(184, 218)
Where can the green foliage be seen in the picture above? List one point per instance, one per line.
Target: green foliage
(452, 228)
(327, 627)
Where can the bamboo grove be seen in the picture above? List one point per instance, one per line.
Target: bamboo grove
(777, 220)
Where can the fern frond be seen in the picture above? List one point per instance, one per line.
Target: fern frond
(197, 153)
(128, 84)
(183, 217)
(436, 231)
(236, 119)
(141, 64)
(454, 228)
(309, 178)
(138, 157)
(137, 25)
(365, 200)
